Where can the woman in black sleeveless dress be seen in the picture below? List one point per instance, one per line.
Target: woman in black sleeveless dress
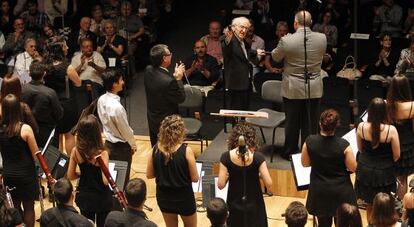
(173, 165)
(244, 196)
(401, 114)
(94, 198)
(63, 78)
(379, 148)
(332, 160)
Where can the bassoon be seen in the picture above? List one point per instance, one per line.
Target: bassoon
(119, 194)
(50, 180)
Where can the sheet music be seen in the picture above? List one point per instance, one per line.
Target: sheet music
(112, 171)
(220, 193)
(302, 173)
(351, 138)
(197, 185)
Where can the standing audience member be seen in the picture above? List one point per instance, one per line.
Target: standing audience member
(9, 217)
(136, 194)
(75, 37)
(119, 136)
(64, 79)
(111, 45)
(43, 101)
(164, 91)
(348, 215)
(65, 213)
(212, 41)
(15, 42)
(11, 85)
(379, 148)
(296, 215)
(405, 64)
(238, 72)
(202, 69)
(295, 94)
(383, 210)
(172, 164)
(18, 147)
(24, 60)
(332, 160)
(401, 115)
(243, 170)
(89, 65)
(94, 198)
(217, 212)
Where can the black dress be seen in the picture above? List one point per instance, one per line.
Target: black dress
(405, 165)
(330, 184)
(254, 207)
(375, 171)
(92, 194)
(58, 80)
(18, 167)
(174, 191)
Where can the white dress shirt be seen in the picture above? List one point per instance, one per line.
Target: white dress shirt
(88, 72)
(22, 67)
(114, 120)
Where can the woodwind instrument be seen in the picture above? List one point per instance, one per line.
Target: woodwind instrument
(6, 189)
(119, 194)
(50, 180)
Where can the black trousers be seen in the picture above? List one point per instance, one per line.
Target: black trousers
(324, 221)
(120, 152)
(297, 122)
(98, 218)
(239, 100)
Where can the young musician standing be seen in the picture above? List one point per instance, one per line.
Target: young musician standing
(94, 198)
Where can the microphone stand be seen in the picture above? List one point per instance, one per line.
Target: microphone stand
(244, 195)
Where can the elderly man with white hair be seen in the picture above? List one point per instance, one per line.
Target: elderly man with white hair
(237, 69)
(24, 60)
(295, 91)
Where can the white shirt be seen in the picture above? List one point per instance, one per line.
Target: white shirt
(114, 120)
(88, 72)
(22, 66)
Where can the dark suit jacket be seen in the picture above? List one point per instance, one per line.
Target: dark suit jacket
(128, 218)
(164, 93)
(73, 42)
(236, 66)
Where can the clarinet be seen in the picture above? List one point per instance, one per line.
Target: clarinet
(119, 194)
(50, 180)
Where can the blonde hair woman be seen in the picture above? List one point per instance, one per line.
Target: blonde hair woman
(172, 164)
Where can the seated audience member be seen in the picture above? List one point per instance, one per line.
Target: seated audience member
(409, 22)
(273, 70)
(49, 35)
(332, 160)
(244, 4)
(65, 213)
(15, 42)
(43, 101)
(408, 207)
(89, 65)
(217, 212)
(405, 63)
(97, 20)
(255, 43)
(9, 217)
(111, 45)
(148, 12)
(213, 44)
(111, 9)
(24, 60)
(55, 10)
(388, 18)
(383, 63)
(131, 28)
(296, 215)
(252, 211)
(136, 194)
(173, 166)
(202, 69)
(326, 27)
(33, 18)
(75, 37)
(348, 215)
(262, 18)
(383, 210)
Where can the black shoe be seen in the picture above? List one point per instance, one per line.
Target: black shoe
(287, 157)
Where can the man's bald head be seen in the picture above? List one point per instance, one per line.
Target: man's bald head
(303, 18)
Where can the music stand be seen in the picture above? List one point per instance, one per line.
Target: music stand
(240, 115)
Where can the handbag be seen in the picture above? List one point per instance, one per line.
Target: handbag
(349, 70)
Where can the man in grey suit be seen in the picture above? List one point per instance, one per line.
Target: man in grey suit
(294, 90)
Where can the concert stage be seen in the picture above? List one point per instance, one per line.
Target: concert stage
(280, 169)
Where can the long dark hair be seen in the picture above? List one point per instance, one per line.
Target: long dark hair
(383, 210)
(11, 85)
(348, 215)
(398, 91)
(5, 213)
(54, 51)
(89, 139)
(11, 115)
(377, 115)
